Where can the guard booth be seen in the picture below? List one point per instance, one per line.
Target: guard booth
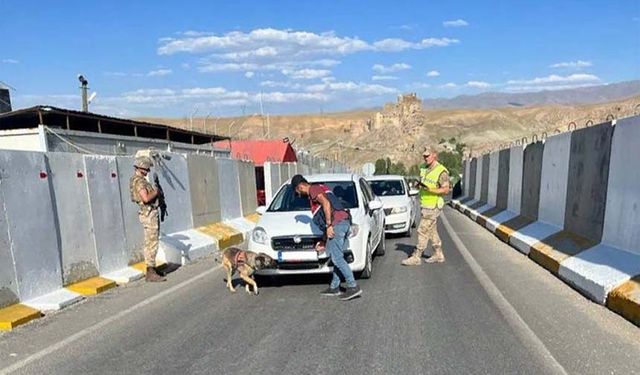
(260, 152)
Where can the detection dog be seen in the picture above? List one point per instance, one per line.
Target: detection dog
(246, 263)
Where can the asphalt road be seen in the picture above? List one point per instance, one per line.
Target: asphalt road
(487, 310)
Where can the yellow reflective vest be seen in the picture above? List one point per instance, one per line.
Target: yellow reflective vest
(430, 178)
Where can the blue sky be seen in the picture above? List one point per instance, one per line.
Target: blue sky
(162, 58)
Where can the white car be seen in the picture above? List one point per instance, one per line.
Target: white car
(398, 200)
(286, 232)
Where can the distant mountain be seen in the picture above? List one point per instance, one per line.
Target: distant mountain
(583, 95)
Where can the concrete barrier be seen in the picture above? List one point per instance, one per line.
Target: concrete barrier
(205, 189)
(586, 198)
(31, 225)
(112, 258)
(476, 185)
(501, 189)
(271, 180)
(614, 262)
(514, 198)
(173, 174)
(248, 192)
(465, 190)
(532, 171)
(229, 177)
(491, 196)
(73, 215)
(470, 177)
(553, 193)
(484, 187)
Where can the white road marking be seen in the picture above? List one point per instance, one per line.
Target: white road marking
(80, 334)
(515, 321)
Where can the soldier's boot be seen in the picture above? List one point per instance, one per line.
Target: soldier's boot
(413, 260)
(437, 257)
(152, 276)
(160, 272)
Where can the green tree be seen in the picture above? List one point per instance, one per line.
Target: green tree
(453, 162)
(414, 170)
(381, 167)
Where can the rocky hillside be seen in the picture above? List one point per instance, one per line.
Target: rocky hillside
(361, 136)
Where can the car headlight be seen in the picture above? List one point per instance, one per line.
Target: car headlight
(353, 231)
(259, 235)
(399, 210)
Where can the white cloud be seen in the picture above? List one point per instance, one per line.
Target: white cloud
(159, 72)
(306, 73)
(185, 66)
(556, 79)
(433, 73)
(10, 61)
(288, 97)
(383, 78)
(390, 68)
(398, 45)
(572, 64)
(548, 87)
(351, 87)
(455, 23)
(478, 84)
(115, 74)
(276, 49)
(553, 82)
(249, 74)
(449, 85)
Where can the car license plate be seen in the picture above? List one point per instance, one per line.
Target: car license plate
(297, 256)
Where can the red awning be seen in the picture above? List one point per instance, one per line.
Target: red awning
(260, 151)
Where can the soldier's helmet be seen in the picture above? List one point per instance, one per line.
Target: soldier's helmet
(143, 162)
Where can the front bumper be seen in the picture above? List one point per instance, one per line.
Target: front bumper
(296, 262)
(397, 223)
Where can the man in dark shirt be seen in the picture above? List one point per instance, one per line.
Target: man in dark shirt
(330, 216)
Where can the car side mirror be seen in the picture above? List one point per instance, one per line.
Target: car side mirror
(261, 210)
(413, 192)
(375, 205)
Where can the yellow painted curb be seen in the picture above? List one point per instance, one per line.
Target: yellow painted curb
(625, 300)
(226, 235)
(142, 266)
(253, 217)
(15, 315)
(551, 251)
(92, 286)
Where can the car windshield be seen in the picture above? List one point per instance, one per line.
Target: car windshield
(287, 200)
(385, 188)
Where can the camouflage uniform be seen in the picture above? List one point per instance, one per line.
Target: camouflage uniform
(427, 231)
(148, 216)
(427, 228)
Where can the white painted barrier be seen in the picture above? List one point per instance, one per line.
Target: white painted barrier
(492, 196)
(614, 261)
(553, 194)
(515, 190)
(478, 187)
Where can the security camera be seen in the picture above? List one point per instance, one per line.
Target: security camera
(82, 80)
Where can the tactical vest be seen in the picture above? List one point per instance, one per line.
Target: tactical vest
(430, 179)
(133, 193)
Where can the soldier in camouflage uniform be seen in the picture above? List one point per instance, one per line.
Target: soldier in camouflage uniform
(143, 193)
(434, 184)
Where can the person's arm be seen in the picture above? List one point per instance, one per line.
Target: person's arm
(445, 185)
(147, 197)
(326, 207)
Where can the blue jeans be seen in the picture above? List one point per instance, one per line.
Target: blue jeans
(335, 249)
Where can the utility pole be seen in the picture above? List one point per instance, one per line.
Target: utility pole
(84, 89)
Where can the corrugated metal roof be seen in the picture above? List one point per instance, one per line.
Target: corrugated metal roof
(33, 116)
(260, 151)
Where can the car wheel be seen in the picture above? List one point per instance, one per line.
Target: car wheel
(382, 246)
(368, 265)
